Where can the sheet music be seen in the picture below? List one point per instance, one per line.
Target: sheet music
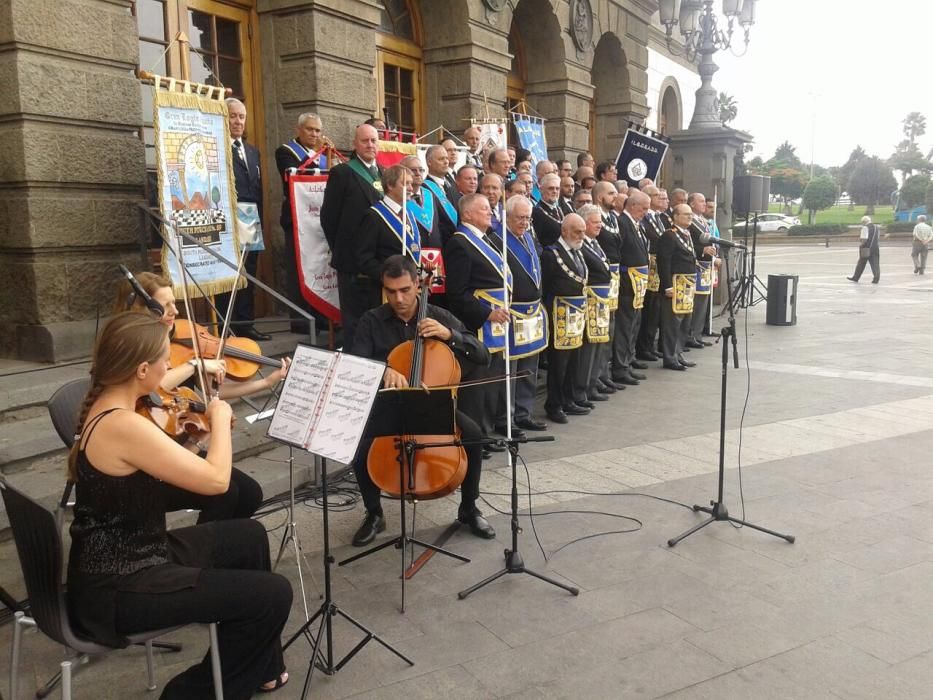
(301, 397)
(351, 393)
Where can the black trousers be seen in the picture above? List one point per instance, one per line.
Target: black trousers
(584, 378)
(494, 396)
(605, 358)
(235, 589)
(561, 366)
(243, 305)
(650, 321)
(358, 294)
(700, 316)
(524, 389)
(469, 489)
(674, 329)
(241, 500)
(623, 345)
(874, 260)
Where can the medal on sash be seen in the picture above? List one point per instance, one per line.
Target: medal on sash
(684, 287)
(638, 276)
(356, 165)
(704, 276)
(569, 322)
(654, 280)
(597, 313)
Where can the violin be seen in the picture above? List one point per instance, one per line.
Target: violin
(243, 356)
(436, 471)
(180, 413)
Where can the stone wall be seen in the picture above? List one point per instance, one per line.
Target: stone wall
(72, 169)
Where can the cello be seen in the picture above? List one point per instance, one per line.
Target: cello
(434, 471)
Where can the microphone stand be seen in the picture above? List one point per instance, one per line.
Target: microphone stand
(717, 509)
(514, 564)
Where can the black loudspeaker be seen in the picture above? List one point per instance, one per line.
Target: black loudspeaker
(750, 194)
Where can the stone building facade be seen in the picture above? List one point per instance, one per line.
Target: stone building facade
(75, 123)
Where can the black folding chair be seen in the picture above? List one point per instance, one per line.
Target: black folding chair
(39, 545)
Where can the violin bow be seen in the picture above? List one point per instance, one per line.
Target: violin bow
(229, 315)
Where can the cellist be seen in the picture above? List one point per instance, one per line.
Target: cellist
(244, 495)
(379, 331)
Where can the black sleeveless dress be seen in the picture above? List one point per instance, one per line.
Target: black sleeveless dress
(118, 543)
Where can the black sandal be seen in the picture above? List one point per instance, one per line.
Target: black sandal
(279, 683)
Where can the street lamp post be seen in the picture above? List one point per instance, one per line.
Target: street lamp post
(701, 37)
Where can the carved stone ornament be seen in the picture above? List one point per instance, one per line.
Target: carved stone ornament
(494, 5)
(581, 23)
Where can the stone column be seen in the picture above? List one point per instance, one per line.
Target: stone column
(72, 170)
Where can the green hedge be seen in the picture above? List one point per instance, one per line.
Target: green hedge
(900, 227)
(818, 230)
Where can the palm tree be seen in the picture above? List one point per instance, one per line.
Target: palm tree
(728, 107)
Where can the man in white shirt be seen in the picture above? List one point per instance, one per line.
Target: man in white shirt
(923, 233)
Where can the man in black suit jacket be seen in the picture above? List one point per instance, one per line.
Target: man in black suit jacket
(352, 188)
(699, 232)
(301, 152)
(634, 253)
(248, 182)
(547, 214)
(675, 256)
(655, 223)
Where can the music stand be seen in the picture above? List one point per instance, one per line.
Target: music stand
(401, 414)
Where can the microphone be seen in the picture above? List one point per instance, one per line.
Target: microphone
(709, 239)
(151, 304)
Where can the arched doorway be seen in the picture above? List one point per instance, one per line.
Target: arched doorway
(612, 106)
(670, 121)
(516, 80)
(399, 66)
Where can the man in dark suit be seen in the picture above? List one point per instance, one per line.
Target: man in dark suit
(438, 160)
(596, 344)
(609, 238)
(303, 151)
(563, 273)
(699, 232)
(248, 182)
(475, 295)
(655, 223)
(352, 188)
(634, 265)
(547, 214)
(676, 258)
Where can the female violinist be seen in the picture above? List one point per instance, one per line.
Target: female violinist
(379, 331)
(244, 496)
(126, 573)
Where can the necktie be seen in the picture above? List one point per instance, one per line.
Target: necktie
(417, 197)
(238, 149)
(374, 171)
(578, 260)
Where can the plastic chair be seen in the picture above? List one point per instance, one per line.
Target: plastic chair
(39, 545)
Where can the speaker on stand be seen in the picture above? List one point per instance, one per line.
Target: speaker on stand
(750, 197)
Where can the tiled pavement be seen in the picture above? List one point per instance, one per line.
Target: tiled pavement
(835, 450)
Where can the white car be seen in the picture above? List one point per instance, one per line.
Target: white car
(766, 223)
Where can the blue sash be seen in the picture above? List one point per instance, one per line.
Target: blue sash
(493, 256)
(704, 277)
(528, 329)
(535, 193)
(303, 154)
(490, 334)
(497, 227)
(449, 208)
(527, 257)
(423, 213)
(394, 222)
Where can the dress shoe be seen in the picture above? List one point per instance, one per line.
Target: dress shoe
(251, 333)
(495, 447)
(706, 343)
(637, 375)
(638, 365)
(531, 424)
(596, 396)
(691, 343)
(607, 388)
(852, 279)
(677, 367)
(557, 417)
(516, 431)
(478, 525)
(373, 524)
(645, 357)
(618, 386)
(486, 453)
(687, 363)
(586, 404)
(874, 281)
(575, 410)
(626, 380)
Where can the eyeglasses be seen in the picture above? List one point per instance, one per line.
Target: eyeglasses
(521, 218)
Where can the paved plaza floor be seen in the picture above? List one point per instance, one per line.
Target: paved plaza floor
(836, 450)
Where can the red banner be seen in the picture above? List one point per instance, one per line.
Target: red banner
(317, 280)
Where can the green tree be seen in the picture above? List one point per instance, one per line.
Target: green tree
(787, 154)
(728, 107)
(914, 191)
(871, 183)
(908, 159)
(929, 200)
(844, 172)
(915, 124)
(787, 183)
(819, 194)
(756, 164)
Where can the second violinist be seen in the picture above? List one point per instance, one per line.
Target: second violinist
(244, 496)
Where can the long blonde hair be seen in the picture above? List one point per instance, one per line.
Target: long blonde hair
(128, 340)
(128, 300)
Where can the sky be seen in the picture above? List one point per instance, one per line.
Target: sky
(828, 75)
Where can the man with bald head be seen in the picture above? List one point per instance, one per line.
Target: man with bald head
(645, 182)
(677, 272)
(476, 295)
(352, 188)
(437, 159)
(655, 223)
(499, 163)
(564, 278)
(632, 285)
(584, 177)
(471, 137)
(547, 215)
(567, 188)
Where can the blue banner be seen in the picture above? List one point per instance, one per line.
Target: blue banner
(531, 137)
(640, 156)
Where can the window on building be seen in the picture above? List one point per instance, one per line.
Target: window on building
(399, 66)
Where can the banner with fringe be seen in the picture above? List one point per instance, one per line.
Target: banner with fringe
(317, 280)
(196, 190)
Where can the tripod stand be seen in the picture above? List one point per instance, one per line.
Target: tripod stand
(717, 509)
(751, 290)
(514, 564)
(321, 657)
(291, 530)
